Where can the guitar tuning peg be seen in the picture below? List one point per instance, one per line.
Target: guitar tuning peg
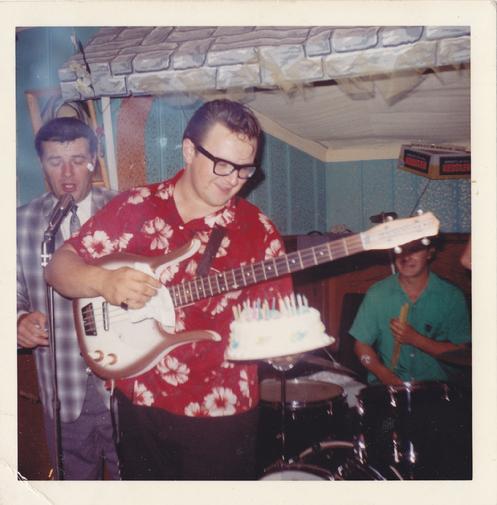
(389, 218)
(397, 249)
(425, 241)
(419, 212)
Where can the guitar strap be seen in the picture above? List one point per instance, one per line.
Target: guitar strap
(210, 250)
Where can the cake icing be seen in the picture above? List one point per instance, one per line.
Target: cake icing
(259, 332)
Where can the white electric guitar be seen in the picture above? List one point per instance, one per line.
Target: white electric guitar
(118, 343)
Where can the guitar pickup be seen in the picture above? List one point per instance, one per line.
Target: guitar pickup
(88, 317)
(105, 314)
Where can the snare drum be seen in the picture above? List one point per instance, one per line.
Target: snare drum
(329, 460)
(423, 429)
(314, 411)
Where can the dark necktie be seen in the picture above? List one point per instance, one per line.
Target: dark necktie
(74, 224)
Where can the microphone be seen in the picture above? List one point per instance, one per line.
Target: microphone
(59, 212)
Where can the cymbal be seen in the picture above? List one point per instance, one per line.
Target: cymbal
(329, 365)
(457, 357)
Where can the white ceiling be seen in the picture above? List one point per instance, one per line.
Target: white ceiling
(332, 123)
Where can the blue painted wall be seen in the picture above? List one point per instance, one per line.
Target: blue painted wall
(357, 190)
(163, 136)
(40, 52)
(299, 193)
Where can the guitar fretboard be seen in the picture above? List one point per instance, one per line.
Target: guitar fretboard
(189, 292)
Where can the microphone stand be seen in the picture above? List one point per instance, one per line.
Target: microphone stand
(47, 249)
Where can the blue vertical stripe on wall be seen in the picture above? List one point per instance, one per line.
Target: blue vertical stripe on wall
(302, 192)
(259, 193)
(408, 189)
(464, 207)
(263, 192)
(321, 223)
(275, 167)
(40, 52)
(378, 197)
(163, 137)
(344, 195)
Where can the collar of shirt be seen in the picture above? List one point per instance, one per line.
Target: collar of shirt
(430, 286)
(83, 212)
(226, 216)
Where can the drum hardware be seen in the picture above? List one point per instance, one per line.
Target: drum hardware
(283, 364)
(344, 471)
(329, 460)
(419, 430)
(326, 445)
(313, 410)
(411, 454)
(397, 456)
(395, 472)
(329, 365)
(360, 448)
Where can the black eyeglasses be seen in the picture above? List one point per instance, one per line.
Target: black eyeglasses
(223, 167)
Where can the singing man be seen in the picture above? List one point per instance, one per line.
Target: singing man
(67, 150)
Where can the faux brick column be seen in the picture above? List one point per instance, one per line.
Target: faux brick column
(131, 159)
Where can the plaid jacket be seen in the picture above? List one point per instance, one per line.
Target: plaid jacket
(32, 221)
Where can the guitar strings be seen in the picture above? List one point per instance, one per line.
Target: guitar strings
(115, 314)
(253, 272)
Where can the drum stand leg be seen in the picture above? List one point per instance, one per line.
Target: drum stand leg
(284, 458)
(282, 365)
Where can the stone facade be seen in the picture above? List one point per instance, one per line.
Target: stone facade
(126, 61)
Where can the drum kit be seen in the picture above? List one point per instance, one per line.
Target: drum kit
(415, 431)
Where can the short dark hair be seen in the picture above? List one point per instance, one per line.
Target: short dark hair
(65, 129)
(233, 115)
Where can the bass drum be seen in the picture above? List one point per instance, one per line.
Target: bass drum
(329, 460)
(315, 411)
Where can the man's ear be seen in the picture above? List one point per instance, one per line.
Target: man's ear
(188, 151)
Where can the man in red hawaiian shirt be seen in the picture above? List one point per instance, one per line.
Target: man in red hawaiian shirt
(194, 415)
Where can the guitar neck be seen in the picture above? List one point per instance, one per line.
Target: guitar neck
(189, 292)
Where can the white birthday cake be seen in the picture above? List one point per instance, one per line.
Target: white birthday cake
(260, 332)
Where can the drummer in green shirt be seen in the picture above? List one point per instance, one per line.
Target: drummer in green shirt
(409, 320)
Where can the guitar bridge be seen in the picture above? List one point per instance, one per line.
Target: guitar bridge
(88, 317)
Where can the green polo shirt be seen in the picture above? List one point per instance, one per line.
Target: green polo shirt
(439, 313)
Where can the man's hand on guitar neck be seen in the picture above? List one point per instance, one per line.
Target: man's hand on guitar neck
(68, 273)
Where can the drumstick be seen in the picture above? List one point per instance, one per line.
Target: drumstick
(396, 345)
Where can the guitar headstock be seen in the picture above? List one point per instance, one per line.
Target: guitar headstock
(400, 231)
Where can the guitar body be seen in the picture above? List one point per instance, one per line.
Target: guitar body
(128, 349)
(117, 343)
